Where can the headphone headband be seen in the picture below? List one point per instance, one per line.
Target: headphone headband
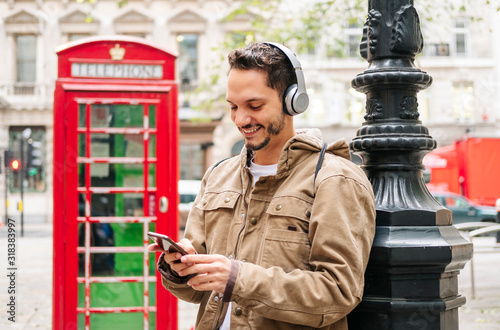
(295, 99)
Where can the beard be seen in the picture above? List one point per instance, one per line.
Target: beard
(273, 129)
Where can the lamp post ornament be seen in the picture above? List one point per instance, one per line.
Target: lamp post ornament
(411, 279)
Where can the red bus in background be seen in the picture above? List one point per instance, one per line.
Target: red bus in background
(470, 167)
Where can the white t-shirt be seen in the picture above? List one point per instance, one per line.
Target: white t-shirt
(257, 171)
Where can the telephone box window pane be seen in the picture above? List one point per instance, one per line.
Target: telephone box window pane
(152, 116)
(152, 146)
(114, 115)
(152, 296)
(128, 234)
(114, 295)
(115, 235)
(117, 321)
(100, 116)
(26, 58)
(131, 264)
(117, 175)
(132, 175)
(114, 205)
(128, 145)
(82, 143)
(81, 205)
(101, 264)
(114, 264)
(116, 145)
(102, 205)
(82, 119)
(152, 176)
(111, 205)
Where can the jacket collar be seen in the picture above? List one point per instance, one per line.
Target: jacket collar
(298, 148)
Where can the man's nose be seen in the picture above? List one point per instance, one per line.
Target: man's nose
(242, 118)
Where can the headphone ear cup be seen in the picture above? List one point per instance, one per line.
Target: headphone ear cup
(294, 102)
(288, 100)
(300, 102)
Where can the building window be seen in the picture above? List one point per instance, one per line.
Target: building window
(187, 62)
(33, 169)
(26, 58)
(137, 35)
(461, 36)
(437, 49)
(463, 101)
(191, 162)
(353, 33)
(240, 39)
(76, 36)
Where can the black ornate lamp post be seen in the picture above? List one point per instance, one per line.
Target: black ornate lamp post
(411, 280)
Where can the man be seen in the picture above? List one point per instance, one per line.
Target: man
(278, 237)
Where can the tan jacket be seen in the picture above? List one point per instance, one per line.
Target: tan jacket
(299, 254)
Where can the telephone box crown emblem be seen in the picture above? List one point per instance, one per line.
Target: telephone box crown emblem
(117, 53)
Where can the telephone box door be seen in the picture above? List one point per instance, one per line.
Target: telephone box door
(115, 179)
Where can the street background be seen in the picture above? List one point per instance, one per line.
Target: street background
(34, 283)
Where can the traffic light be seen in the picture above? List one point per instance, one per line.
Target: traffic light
(7, 154)
(34, 160)
(15, 164)
(10, 162)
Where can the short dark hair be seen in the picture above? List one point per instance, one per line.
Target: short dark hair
(267, 58)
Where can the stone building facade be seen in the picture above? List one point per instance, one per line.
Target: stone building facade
(461, 57)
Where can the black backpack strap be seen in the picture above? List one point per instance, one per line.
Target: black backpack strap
(320, 162)
(217, 164)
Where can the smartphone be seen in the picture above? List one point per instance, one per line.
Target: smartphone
(166, 243)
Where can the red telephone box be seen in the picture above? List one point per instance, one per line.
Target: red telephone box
(116, 170)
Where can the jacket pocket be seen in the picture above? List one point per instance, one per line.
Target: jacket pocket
(219, 214)
(287, 242)
(221, 200)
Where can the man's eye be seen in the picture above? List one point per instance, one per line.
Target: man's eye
(256, 107)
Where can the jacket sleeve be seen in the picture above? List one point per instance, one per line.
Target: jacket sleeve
(341, 231)
(195, 232)
(176, 284)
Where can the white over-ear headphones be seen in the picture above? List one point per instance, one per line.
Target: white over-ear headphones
(295, 99)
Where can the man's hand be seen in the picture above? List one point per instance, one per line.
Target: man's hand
(213, 271)
(172, 259)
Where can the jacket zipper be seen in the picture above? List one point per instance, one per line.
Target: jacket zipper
(220, 304)
(244, 221)
(219, 311)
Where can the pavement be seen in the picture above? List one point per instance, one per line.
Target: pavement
(34, 284)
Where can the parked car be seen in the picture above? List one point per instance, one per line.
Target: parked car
(188, 190)
(463, 209)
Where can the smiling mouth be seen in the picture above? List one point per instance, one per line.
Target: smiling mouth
(250, 131)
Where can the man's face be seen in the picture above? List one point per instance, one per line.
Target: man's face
(256, 110)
